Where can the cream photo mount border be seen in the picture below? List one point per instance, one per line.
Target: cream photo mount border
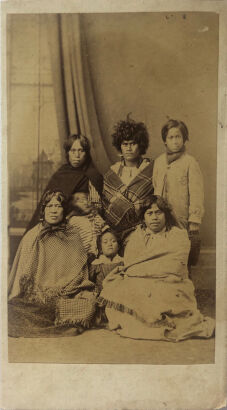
(35, 386)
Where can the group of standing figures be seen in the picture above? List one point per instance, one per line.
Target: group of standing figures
(114, 251)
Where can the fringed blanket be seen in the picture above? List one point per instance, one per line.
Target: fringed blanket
(153, 298)
(122, 204)
(50, 273)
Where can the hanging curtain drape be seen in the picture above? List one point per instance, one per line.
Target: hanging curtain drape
(75, 106)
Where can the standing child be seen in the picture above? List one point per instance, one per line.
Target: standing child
(108, 260)
(86, 219)
(177, 177)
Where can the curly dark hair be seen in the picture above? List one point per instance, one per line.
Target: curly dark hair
(164, 207)
(175, 124)
(131, 130)
(48, 195)
(84, 141)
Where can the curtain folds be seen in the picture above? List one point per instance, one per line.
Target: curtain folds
(75, 107)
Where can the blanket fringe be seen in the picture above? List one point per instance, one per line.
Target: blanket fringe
(124, 309)
(73, 322)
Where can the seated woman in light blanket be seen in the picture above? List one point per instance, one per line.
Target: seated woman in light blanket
(151, 297)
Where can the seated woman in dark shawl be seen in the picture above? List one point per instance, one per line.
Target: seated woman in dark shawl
(151, 297)
(78, 174)
(49, 289)
(128, 183)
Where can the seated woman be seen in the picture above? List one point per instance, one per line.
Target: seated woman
(152, 296)
(78, 174)
(128, 183)
(49, 289)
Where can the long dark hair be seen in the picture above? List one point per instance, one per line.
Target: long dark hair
(47, 196)
(85, 144)
(164, 207)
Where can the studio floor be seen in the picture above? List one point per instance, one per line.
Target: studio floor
(104, 346)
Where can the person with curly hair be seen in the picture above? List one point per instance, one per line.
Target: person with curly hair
(128, 183)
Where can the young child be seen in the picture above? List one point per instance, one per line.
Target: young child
(87, 220)
(177, 178)
(108, 260)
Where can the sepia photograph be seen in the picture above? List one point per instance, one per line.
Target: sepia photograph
(113, 206)
(112, 134)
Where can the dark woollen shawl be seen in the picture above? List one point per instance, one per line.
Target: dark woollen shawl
(69, 180)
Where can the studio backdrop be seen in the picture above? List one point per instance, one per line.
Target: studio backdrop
(83, 73)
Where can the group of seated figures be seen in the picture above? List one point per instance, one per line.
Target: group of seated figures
(114, 251)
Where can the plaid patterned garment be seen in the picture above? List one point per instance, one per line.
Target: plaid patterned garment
(50, 269)
(79, 310)
(122, 204)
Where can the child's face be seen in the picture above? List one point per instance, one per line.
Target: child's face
(174, 139)
(80, 200)
(109, 244)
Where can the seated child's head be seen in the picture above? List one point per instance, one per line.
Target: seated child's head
(108, 244)
(174, 135)
(80, 203)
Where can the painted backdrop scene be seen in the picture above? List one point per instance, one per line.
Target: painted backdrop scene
(152, 301)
